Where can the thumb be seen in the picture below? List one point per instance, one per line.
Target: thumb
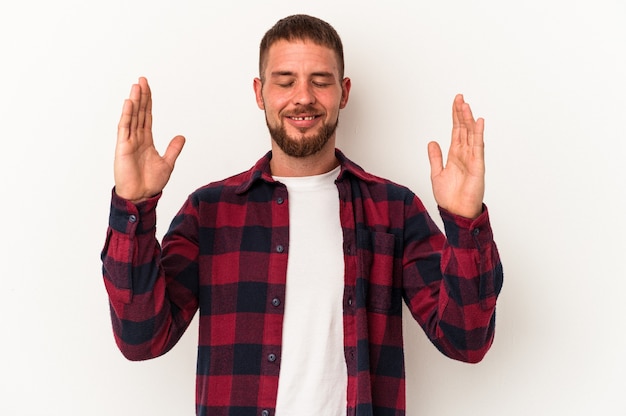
(174, 149)
(436, 159)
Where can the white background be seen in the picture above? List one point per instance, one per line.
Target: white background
(548, 76)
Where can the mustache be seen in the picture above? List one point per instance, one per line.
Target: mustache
(306, 109)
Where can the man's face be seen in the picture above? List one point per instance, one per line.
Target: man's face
(301, 95)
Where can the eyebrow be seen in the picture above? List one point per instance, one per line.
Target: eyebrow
(321, 74)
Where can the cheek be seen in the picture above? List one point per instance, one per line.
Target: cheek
(274, 106)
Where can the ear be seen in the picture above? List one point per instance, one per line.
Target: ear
(346, 84)
(258, 92)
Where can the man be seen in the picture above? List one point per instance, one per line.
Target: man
(299, 266)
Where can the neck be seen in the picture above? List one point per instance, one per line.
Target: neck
(317, 164)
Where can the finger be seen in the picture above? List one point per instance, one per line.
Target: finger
(134, 98)
(477, 136)
(457, 110)
(467, 122)
(459, 134)
(148, 120)
(467, 116)
(435, 158)
(144, 100)
(123, 127)
(474, 127)
(173, 150)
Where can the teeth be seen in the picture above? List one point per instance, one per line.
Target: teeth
(303, 118)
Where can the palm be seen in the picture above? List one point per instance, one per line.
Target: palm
(140, 172)
(459, 186)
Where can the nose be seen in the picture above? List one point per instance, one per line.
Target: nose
(303, 94)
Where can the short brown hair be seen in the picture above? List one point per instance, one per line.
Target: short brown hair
(304, 28)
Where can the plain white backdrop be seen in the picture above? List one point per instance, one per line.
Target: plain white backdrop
(548, 77)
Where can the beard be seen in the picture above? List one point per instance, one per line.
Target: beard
(302, 146)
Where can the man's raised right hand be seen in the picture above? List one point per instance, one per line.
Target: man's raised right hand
(140, 172)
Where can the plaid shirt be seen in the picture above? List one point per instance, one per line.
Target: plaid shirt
(226, 254)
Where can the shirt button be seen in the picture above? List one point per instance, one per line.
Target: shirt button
(476, 231)
(276, 302)
(280, 248)
(279, 200)
(265, 413)
(132, 218)
(349, 301)
(271, 358)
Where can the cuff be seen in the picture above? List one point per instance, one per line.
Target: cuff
(466, 232)
(126, 217)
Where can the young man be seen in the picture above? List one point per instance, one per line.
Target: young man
(299, 266)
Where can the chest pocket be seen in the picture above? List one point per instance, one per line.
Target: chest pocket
(376, 271)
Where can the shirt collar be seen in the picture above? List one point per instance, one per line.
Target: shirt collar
(261, 171)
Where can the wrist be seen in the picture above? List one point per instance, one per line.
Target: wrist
(133, 199)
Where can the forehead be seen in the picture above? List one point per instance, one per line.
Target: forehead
(300, 56)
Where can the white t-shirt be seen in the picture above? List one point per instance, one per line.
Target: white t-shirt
(313, 375)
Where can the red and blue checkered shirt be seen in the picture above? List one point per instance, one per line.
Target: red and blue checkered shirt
(226, 255)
